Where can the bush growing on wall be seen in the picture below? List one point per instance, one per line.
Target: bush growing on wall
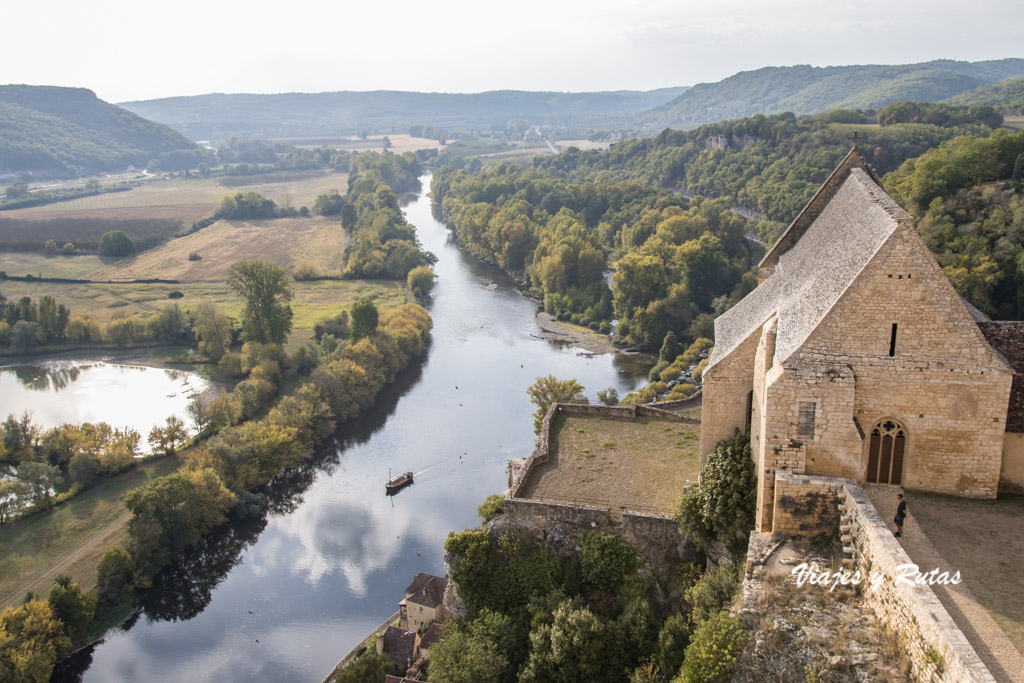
(721, 507)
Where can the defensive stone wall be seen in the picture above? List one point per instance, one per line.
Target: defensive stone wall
(936, 648)
(561, 523)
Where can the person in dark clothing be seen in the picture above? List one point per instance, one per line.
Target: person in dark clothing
(901, 515)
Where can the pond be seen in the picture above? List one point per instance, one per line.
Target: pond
(285, 597)
(121, 392)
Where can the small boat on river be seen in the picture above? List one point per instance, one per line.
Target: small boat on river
(398, 483)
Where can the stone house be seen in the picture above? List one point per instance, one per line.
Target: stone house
(424, 601)
(855, 357)
(398, 645)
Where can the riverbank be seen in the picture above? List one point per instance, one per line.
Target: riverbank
(554, 330)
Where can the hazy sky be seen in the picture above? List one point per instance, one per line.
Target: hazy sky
(127, 49)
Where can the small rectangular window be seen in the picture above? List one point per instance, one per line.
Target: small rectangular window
(892, 341)
(805, 423)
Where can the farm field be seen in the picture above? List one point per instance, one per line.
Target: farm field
(46, 265)
(312, 302)
(285, 241)
(186, 199)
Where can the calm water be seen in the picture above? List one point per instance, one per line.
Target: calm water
(76, 390)
(284, 598)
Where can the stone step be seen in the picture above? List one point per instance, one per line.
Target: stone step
(845, 527)
(847, 560)
(848, 549)
(846, 538)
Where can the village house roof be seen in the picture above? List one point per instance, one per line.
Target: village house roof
(426, 590)
(432, 636)
(399, 646)
(1007, 338)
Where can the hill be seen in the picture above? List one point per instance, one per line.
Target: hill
(809, 90)
(205, 117)
(71, 131)
(1008, 94)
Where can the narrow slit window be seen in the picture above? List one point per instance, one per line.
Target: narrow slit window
(805, 422)
(892, 341)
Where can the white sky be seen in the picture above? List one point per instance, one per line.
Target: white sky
(139, 49)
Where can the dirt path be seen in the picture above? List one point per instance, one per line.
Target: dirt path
(986, 637)
(87, 552)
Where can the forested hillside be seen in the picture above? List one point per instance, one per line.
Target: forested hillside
(71, 131)
(331, 113)
(678, 263)
(1007, 96)
(808, 90)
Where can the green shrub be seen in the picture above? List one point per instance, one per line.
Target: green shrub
(711, 656)
(721, 507)
(491, 507)
(606, 560)
(655, 372)
(116, 243)
(713, 592)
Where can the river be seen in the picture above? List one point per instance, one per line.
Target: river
(285, 597)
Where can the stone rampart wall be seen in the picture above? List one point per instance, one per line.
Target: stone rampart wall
(936, 648)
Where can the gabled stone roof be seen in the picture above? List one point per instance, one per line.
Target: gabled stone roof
(814, 207)
(853, 219)
(432, 635)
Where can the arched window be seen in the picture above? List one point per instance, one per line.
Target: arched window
(885, 452)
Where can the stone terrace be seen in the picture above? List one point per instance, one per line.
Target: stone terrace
(621, 463)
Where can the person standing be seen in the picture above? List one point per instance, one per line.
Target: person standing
(901, 515)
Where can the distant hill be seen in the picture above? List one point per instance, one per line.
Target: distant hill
(71, 131)
(1004, 94)
(205, 117)
(810, 90)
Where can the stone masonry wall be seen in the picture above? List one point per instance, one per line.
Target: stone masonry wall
(806, 506)
(561, 525)
(936, 648)
(727, 384)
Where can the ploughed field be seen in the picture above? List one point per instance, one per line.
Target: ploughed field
(639, 464)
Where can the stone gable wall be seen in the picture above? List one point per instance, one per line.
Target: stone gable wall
(726, 387)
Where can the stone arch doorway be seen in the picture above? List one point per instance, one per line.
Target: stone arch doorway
(887, 446)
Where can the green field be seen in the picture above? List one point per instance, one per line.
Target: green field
(71, 538)
(45, 265)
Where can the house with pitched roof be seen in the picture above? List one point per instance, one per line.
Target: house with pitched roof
(854, 357)
(424, 601)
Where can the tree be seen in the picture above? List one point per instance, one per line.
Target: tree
(609, 396)
(266, 316)
(213, 331)
(169, 325)
(669, 348)
(50, 247)
(467, 655)
(165, 438)
(116, 243)
(31, 640)
(40, 478)
(198, 411)
(114, 575)
(83, 468)
(364, 318)
(25, 336)
(71, 605)
(573, 648)
(370, 668)
(420, 281)
(711, 656)
(548, 390)
(12, 499)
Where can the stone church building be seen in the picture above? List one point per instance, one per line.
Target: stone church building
(854, 357)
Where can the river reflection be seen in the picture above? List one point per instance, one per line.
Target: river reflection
(285, 597)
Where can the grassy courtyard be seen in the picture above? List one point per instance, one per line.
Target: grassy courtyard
(622, 463)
